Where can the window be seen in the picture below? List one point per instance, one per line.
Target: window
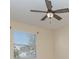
(24, 45)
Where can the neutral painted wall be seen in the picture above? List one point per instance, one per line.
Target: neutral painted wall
(45, 39)
(61, 43)
(51, 44)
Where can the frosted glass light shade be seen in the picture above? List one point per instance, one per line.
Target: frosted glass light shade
(49, 15)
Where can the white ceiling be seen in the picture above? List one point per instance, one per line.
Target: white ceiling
(20, 11)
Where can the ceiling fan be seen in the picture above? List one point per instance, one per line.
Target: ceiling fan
(51, 13)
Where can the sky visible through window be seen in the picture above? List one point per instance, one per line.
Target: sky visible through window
(22, 37)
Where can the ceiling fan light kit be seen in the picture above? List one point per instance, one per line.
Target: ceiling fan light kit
(51, 13)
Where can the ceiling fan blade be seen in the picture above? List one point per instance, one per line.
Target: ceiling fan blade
(62, 10)
(48, 4)
(38, 11)
(44, 17)
(57, 17)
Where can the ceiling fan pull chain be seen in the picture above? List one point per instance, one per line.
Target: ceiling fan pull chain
(50, 21)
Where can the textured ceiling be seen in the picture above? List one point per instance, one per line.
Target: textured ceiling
(20, 11)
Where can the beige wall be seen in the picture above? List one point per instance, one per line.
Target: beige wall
(61, 43)
(44, 39)
(51, 44)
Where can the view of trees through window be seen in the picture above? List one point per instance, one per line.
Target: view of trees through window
(24, 45)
